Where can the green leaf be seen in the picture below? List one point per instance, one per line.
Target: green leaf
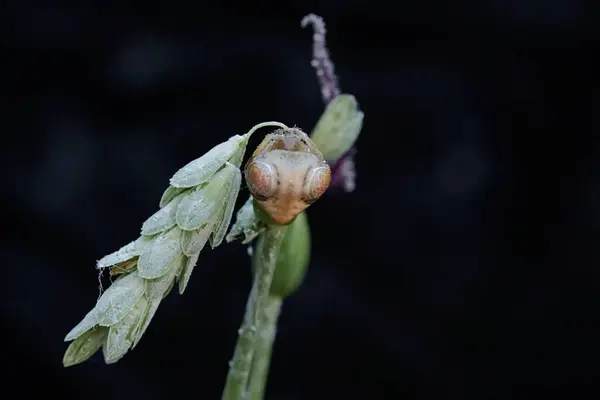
(125, 253)
(145, 322)
(246, 223)
(120, 335)
(192, 242)
(338, 128)
(169, 194)
(142, 243)
(84, 346)
(158, 257)
(199, 207)
(203, 168)
(157, 289)
(119, 299)
(237, 157)
(187, 271)
(172, 284)
(225, 218)
(161, 220)
(87, 323)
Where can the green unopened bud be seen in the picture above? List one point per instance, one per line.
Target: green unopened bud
(292, 260)
(338, 128)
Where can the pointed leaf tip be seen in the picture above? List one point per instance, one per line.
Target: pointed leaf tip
(121, 335)
(169, 194)
(160, 255)
(193, 242)
(227, 211)
(157, 289)
(125, 253)
(200, 206)
(201, 169)
(161, 220)
(119, 299)
(247, 223)
(82, 348)
(87, 323)
(188, 268)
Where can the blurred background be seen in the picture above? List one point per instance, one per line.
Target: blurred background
(464, 265)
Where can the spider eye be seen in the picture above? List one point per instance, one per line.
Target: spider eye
(261, 179)
(317, 182)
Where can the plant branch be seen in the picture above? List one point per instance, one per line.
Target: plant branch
(239, 367)
(263, 348)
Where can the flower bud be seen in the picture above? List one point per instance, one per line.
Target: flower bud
(292, 260)
(338, 128)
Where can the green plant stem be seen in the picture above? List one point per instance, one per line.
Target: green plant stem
(239, 367)
(263, 348)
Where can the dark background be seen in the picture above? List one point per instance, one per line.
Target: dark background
(465, 265)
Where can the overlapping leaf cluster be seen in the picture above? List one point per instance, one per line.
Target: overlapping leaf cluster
(195, 209)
